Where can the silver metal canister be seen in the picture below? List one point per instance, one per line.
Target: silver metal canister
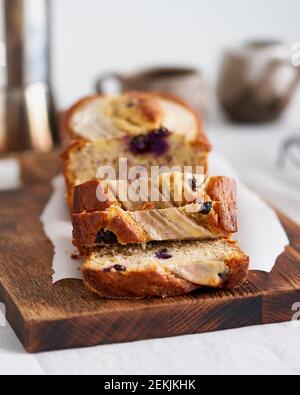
(27, 116)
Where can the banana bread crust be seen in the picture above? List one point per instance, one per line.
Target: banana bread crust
(137, 285)
(87, 225)
(85, 198)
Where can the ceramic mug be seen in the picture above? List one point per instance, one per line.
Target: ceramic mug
(257, 81)
(188, 83)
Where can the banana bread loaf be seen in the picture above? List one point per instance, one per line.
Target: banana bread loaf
(147, 129)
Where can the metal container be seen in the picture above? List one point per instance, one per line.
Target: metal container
(27, 116)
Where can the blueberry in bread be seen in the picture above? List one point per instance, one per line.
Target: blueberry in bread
(164, 269)
(147, 129)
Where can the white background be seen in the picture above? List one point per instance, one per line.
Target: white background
(92, 36)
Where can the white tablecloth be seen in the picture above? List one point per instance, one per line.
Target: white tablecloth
(273, 349)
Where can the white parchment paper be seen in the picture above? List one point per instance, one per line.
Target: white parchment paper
(10, 174)
(57, 226)
(260, 235)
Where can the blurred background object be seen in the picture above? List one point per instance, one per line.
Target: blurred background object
(257, 81)
(92, 37)
(291, 150)
(27, 117)
(95, 37)
(188, 83)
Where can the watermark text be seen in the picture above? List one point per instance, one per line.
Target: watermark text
(161, 184)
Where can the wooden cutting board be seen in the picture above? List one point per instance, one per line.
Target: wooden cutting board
(65, 315)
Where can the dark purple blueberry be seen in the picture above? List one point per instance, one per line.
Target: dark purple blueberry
(206, 208)
(106, 237)
(162, 132)
(193, 184)
(223, 276)
(120, 268)
(131, 104)
(163, 254)
(140, 145)
(117, 268)
(158, 142)
(154, 142)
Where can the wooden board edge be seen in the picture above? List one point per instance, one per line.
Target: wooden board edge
(280, 307)
(161, 322)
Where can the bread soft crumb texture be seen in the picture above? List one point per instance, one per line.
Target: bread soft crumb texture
(100, 130)
(85, 159)
(165, 269)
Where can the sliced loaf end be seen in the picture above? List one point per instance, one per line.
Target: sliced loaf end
(165, 269)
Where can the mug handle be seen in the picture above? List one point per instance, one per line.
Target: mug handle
(114, 77)
(275, 63)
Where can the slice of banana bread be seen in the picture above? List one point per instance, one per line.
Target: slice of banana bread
(209, 220)
(165, 269)
(191, 210)
(181, 189)
(146, 129)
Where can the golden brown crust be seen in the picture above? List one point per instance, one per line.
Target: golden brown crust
(87, 230)
(125, 229)
(239, 270)
(201, 138)
(153, 283)
(220, 188)
(85, 198)
(68, 177)
(227, 216)
(86, 227)
(147, 284)
(67, 133)
(71, 142)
